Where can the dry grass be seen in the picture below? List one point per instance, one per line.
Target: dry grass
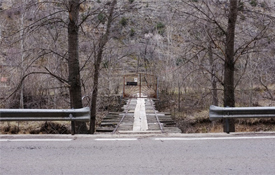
(40, 127)
(198, 122)
(35, 128)
(194, 117)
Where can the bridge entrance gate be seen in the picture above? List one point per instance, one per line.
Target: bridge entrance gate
(138, 85)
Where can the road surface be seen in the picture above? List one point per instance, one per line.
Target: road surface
(137, 154)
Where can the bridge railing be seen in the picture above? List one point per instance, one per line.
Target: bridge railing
(72, 115)
(216, 113)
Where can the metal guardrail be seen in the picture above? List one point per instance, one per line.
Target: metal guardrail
(216, 113)
(72, 115)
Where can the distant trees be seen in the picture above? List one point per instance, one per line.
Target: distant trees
(210, 50)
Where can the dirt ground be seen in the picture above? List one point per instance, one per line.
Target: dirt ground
(186, 126)
(189, 121)
(35, 128)
(199, 122)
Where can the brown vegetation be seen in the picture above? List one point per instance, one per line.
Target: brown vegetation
(193, 116)
(54, 52)
(35, 128)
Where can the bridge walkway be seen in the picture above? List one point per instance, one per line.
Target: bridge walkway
(139, 116)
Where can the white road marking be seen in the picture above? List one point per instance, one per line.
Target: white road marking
(116, 139)
(214, 138)
(35, 140)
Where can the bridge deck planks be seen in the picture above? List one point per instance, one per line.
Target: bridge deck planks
(109, 123)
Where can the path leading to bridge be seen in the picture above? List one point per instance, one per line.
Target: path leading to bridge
(139, 116)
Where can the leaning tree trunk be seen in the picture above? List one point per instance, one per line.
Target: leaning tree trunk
(98, 59)
(73, 63)
(229, 64)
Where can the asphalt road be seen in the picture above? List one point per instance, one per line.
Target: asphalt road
(131, 154)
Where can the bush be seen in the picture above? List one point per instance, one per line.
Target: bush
(160, 28)
(253, 3)
(264, 5)
(241, 6)
(123, 21)
(160, 25)
(101, 17)
(132, 32)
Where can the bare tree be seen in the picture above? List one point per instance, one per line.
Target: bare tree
(229, 63)
(73, 61)
(98, 59)
(222, 39)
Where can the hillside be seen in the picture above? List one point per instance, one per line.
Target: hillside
(183, 43)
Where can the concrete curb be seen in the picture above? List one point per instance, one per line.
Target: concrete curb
(183, 135)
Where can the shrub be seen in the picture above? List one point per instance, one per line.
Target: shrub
(263, 4)
(123, 21)
(160, 28)
(101, 17)
(241, 6)
(132, 32)
(253, 3)
(160, 25)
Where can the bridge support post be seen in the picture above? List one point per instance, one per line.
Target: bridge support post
(139, 85)
(124, 86)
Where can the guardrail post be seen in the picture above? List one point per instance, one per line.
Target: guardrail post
(72, 125)
(227, 126)
(139, 85)
(228, 123)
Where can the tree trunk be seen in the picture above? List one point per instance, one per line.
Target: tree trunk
(229, 64)
(179, 96)
(73, 63)
(215, 100)
(22, 56)
(98, 59)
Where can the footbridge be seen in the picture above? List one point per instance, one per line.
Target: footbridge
(139, 116)
(140, 90)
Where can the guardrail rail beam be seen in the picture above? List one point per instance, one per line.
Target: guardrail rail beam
(217, 113)
(82, 114)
